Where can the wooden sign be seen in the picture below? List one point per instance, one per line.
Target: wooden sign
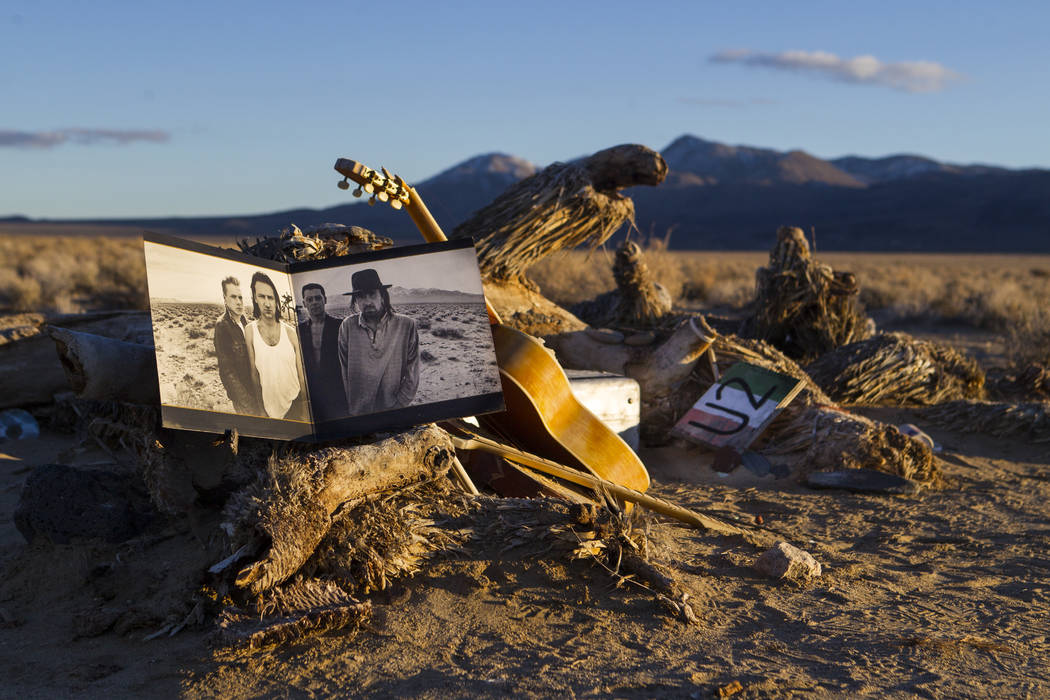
(737, 408)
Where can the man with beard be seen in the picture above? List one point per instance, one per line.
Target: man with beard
(231, 352)
(274, 356)
(378, 349)
(319, 334)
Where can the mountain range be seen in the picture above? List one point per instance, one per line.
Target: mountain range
(722, 197)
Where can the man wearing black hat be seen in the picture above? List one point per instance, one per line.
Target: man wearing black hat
(378, 349)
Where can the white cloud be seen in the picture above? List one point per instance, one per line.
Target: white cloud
(50, 139)
(908, 76)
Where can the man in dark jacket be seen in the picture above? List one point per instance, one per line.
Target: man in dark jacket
(231, 350)
(319, 336)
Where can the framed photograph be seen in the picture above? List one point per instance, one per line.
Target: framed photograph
(322, 349)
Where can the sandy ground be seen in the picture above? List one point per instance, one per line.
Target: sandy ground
(941, 594)
(184, 337)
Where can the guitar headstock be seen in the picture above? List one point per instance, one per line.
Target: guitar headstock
(380, 185)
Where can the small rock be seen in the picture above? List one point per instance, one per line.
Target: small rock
(787, 561)
(756, 463)
(730, 689)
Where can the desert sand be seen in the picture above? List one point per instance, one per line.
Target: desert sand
(945, 593)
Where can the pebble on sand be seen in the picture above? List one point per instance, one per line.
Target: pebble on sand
(784, 560)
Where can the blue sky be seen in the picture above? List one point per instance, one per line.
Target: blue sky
(114, 109)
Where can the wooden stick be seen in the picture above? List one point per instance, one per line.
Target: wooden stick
(583, 479)
(463, 477)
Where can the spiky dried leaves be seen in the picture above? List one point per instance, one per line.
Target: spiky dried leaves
(897, 369)
(315, 243)
(638, 302)
(801, 306)
(563, 206)
(1025, 421)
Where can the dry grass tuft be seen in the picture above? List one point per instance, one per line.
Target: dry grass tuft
(1009, 294)
(69, 275)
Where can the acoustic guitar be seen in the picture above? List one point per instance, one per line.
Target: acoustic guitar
(541, 410)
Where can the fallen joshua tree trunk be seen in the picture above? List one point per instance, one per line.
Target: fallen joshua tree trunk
(103, 368)
(291, 504)
(30, 374)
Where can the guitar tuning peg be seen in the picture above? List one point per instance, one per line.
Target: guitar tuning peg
(395, 203)
(383, 196)
(372, 201)
(343, 184)
(357, 192)
(369, 188)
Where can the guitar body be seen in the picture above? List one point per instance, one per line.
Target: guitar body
(543, 414)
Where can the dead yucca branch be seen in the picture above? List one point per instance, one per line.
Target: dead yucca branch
(1031, 383)
(619, 544)
(896, 369)
(380, 541)
(288, 614)
(638, 301)
(563, 206)
(801, 306)
(1027, 421)
(315, 243)
(821, 437)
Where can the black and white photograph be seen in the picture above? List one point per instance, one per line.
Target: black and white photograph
(319, 349)
(225, 338)
(393, 333)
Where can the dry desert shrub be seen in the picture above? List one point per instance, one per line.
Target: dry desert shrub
(994, 292)
(717, 280)
(1007, 293)
(69, 274)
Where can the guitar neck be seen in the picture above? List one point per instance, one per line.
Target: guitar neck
(392, 189)
(423, 219)
(432, 233)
